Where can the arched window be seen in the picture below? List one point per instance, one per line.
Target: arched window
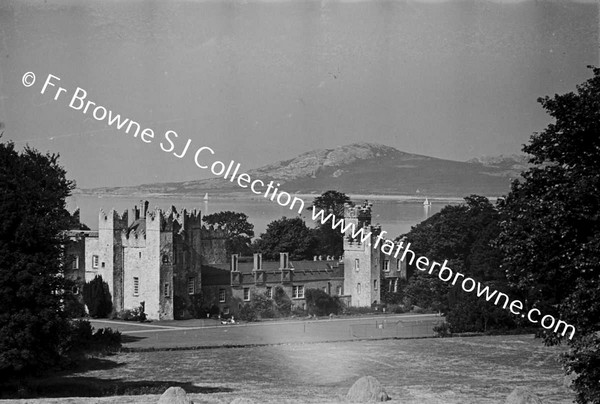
(358, 288)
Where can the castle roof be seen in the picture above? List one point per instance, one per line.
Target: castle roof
(304, 271)
(299, 265)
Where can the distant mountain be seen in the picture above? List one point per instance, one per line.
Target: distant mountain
(509, 164)
(361, 168)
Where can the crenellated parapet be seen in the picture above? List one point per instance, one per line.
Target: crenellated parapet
(361, 212)
(133, 238)
(213, 232)
(112, 220)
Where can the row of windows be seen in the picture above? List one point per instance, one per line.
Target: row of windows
(191, 287)
(386, 264)
(96, 259)
(375, 286)
(297, 292)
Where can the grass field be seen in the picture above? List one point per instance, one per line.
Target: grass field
(210, 333)
(414, 371)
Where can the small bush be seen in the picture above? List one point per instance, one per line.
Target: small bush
(283, 304)
(136, 314)
(320, 303)
(298, 311)
(395, 308)
(419, 310)
(263, 306)
(97, 297)
(442, 330)
(73, 308)
(214, 310)
(82, 340)
(248, 313)
(360, 310)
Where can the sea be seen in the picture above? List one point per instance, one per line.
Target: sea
(395, 216)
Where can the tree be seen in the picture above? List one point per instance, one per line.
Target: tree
(287, 235)
(96, 296)
(331, 241)
(550, 236)
(33, 323)
(240, 232)
(464, 236)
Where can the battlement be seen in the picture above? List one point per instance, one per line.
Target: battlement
(362, 212)
(169, 220)
(113, 219)
(213, 232)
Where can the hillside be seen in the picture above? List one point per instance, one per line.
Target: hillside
(361, 168)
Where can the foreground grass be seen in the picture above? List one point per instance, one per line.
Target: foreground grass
(454, 370)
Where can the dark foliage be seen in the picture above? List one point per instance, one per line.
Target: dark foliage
(320, 303)
(464, 236)
(96, 296)
(239, 231)
(248, 313)
(283, 303)
(136, 314)
(331, 241)
(287, 235)
(551, 233)
(82, 340)
(33, 324)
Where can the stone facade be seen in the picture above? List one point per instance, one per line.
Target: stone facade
(164, 261)
(229, 286)
(361, 259)
(150, 258)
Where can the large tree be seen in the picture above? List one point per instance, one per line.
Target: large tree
(551, 232)
(463, 235)
(287, 235)
(33, 188)
(331, 241)
(239, 230)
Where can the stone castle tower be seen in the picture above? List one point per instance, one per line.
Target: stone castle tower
(361, 259)
(153, 258)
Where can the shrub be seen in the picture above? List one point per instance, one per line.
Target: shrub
(136, 314)
(395, 308)
(81, 340)
(442, 330)
(419, 310)
(263, 306)
(214, 310)
(359, 310)
(73, 308)
(97, 298)
(320, 303)
(248, 313)
(198, 310)
(283, 304)
(298, 311)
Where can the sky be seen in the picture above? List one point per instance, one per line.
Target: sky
(262, 81)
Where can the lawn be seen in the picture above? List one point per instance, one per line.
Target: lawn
(451, 370)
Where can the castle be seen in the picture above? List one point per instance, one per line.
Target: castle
(164, 260)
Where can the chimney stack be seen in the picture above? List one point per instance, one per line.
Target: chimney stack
(257, 261)
(284, 260)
